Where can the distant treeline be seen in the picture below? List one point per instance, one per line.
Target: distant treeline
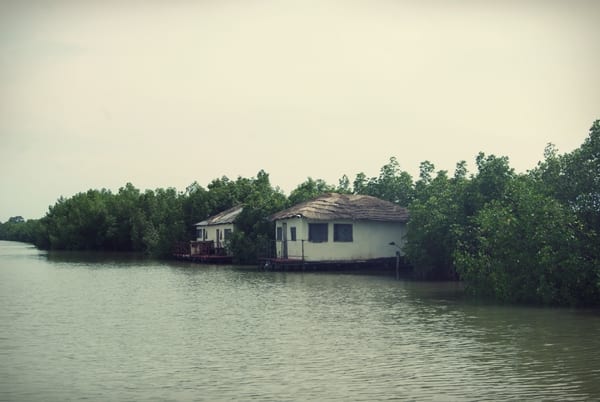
(531, 238)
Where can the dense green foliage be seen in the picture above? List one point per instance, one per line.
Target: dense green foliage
(254, 230)
(529, 237)
(537, 240)
(154, 220)
(18, 229)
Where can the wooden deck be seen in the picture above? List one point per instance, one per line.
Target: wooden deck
(206, 259)
(201, 252)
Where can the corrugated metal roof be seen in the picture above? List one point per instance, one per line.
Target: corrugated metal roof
(227, 216)
(333, 206)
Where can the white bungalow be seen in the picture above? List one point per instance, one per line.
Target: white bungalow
(213, 233)
(340, 228)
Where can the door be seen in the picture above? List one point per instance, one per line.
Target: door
(284, 245)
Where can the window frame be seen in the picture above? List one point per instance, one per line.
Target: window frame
(340, 233)
(316, 236)
(292, 233)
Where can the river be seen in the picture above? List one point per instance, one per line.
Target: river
(106, 327)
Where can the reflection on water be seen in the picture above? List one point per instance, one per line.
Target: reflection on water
(95, 258)
(120, 328)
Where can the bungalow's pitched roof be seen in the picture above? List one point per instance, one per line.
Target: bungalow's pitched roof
(227, 216)
(333, 206)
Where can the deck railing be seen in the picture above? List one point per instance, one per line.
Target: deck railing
(277, 249)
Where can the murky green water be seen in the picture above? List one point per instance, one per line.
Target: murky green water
(75, 327)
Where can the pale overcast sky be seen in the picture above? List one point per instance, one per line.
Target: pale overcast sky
(95, 94)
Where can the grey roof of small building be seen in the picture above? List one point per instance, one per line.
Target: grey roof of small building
(227, 216)
(333, 206)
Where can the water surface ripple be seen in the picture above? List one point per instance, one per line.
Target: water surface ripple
(90, 327)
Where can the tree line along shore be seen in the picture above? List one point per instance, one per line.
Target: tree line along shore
(516, 237)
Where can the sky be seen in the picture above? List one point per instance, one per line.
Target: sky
(96, 94)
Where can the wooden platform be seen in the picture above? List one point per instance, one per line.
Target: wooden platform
(201, 252)
(206, 259)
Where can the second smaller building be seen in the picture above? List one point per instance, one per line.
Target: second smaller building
(213, 234)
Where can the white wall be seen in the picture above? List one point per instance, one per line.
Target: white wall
(294, 247)
(370, 240)
(211, 233)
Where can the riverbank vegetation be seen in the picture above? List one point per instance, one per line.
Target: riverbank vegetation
(530, 237)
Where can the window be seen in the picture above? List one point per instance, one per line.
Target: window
(227, 234)
(279, 233)
(317, 232)
(199, 233)
(293, 233)
(342, 232)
